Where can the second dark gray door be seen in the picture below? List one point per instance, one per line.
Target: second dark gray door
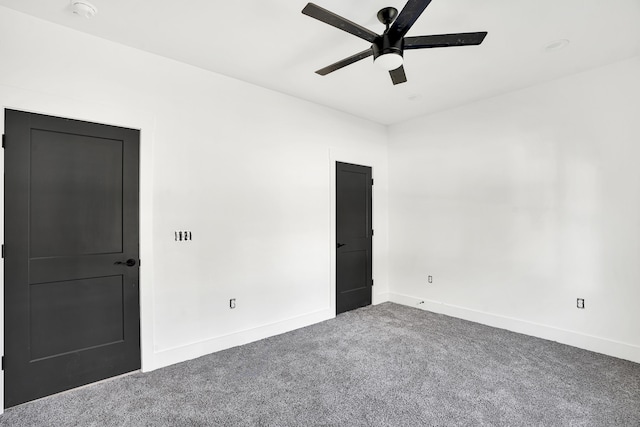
(353, 236)
(71, 254)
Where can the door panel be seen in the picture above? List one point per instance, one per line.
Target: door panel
(76, 185)
(71, 220)
(75, 315)
(353, 270)
(353, 236)
(354, 202)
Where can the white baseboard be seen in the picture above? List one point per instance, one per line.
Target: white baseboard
(576, 339)
(191, 351)
(380, 298)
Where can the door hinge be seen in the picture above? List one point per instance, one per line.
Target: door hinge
(372, 283)
(3, 363)
(139, 262)
(371, 178)
(2, 251)
(372, 232)
(3, 138)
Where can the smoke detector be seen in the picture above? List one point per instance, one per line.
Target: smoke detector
(83, 8)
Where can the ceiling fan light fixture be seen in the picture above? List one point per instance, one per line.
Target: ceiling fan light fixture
(387, 53)
(83, 8)
(389, 61)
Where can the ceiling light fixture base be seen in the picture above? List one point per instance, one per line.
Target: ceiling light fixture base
(387, 15)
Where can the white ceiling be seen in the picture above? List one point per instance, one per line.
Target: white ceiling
(272, 44)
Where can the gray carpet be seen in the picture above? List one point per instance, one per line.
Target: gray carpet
(385, 365)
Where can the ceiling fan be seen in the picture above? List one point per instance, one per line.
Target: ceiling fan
(388, 48)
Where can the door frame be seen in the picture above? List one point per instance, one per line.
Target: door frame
(28, 101)
(379, 292)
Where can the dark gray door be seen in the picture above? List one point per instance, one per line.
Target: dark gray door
(71, 254)
(353, 236)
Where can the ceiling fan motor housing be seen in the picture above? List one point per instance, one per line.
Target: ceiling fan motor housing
(383, 45)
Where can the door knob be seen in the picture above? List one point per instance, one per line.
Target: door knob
(129, 263)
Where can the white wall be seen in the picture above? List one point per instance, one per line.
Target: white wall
(247, 170)
(520, 204)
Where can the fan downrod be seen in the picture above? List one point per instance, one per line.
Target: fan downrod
(387, 15)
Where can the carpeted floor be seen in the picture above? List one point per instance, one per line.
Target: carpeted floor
(385, 365)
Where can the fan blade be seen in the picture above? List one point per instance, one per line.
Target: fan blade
(347, 61)
(339, 22)
(444, 40)
(409, 15)
(398, 76)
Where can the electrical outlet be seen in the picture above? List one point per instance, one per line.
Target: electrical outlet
(430, 279)
(580, 302)
(232, 303)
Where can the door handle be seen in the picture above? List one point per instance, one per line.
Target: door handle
(339, 245)
(129, 263)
